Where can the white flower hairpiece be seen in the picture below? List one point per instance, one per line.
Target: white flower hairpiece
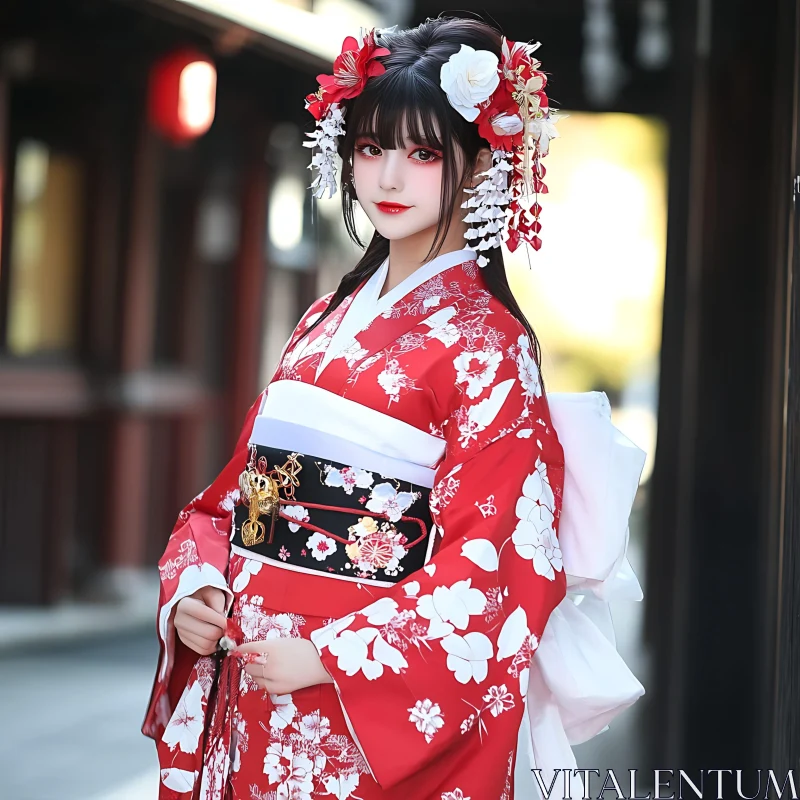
(468, 78)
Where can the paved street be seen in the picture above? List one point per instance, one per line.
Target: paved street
(71, 720)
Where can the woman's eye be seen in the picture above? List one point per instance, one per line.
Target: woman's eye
(370, 150)
(425, 156)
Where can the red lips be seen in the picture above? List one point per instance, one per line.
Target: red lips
(392, 208)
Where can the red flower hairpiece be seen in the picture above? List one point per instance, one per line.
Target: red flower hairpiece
(353, 67)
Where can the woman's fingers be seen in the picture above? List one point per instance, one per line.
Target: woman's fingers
(203, 630)
(199, 610)
(202, 646)
(253, 647)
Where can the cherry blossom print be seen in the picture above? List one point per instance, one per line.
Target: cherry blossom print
(314, 726)
(528, 370)
(394, 381)
(428, 718)
(477, 370)
(297, 512)
(347, 478)
(292, 771)
(534, 536)
(441, 328)
(456, 794)
(385, 499)
(321, 546)
(498, 699)
(259, 624)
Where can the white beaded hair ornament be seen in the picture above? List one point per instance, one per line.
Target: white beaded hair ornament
(503, 96)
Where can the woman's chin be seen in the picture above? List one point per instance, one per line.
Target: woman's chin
(400, 229)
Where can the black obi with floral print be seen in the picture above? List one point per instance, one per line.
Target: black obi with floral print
(341, 520)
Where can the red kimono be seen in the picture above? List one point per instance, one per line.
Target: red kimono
(430, 672)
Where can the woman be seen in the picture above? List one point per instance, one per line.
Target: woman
(358, 596)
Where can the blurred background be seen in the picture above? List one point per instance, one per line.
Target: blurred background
(158, 245)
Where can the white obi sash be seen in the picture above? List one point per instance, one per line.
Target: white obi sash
(577, 682)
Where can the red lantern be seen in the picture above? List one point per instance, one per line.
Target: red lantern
(182, 94)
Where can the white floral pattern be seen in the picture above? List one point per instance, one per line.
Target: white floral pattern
(428, 718)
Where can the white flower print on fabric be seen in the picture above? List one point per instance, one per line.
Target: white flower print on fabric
(341, 786)
(352, 648)
(352, 353)
(302, 753)
(292, 771)
(496, 700)
(385, 499)
(471, 421)
(347, 478)
(297, 512)
(467, 656)
(258, 625)
(441, 328)
(393, 380)
(428, 718)
(534, 537)
(477, 369)
(352, 651)
(249, 568)
(321, 546)
(450, 608)
(179, 780)
(456, 794)
(231, 500)
(283, 712)
(528, 371)
(188, 721)
(314, 726)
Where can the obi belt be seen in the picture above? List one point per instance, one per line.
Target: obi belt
(368, 526)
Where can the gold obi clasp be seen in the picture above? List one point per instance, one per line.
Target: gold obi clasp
(260, 491)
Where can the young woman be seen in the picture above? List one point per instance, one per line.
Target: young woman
(361, 596)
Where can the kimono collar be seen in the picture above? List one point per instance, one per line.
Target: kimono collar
(367, 305)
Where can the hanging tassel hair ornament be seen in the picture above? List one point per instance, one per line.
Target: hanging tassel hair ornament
(353, 67)
(505, 97)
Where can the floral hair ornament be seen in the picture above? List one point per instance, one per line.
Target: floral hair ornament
(353, 67)
(505, 97)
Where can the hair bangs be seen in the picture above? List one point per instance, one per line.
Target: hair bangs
(402, 110)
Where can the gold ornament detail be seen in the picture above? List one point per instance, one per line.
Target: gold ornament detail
(261, 494)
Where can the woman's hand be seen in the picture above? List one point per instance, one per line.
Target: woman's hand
(284, 665)
(200, 619)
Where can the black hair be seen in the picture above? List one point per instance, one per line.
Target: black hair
(407, 101)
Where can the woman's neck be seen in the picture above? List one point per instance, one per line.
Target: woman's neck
(407, 255)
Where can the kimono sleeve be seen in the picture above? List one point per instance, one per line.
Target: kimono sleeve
(197, 554)
(444, 656)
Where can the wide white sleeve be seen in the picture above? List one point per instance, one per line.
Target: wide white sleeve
(578, 682)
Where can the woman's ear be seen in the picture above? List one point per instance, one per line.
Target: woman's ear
(483, 160)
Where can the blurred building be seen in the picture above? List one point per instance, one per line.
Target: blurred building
(146, 285)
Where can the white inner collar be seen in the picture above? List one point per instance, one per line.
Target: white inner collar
(366, 305)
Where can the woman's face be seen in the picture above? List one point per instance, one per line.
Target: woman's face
(399, 190)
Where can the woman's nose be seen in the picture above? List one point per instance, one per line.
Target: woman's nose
(391, 172)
